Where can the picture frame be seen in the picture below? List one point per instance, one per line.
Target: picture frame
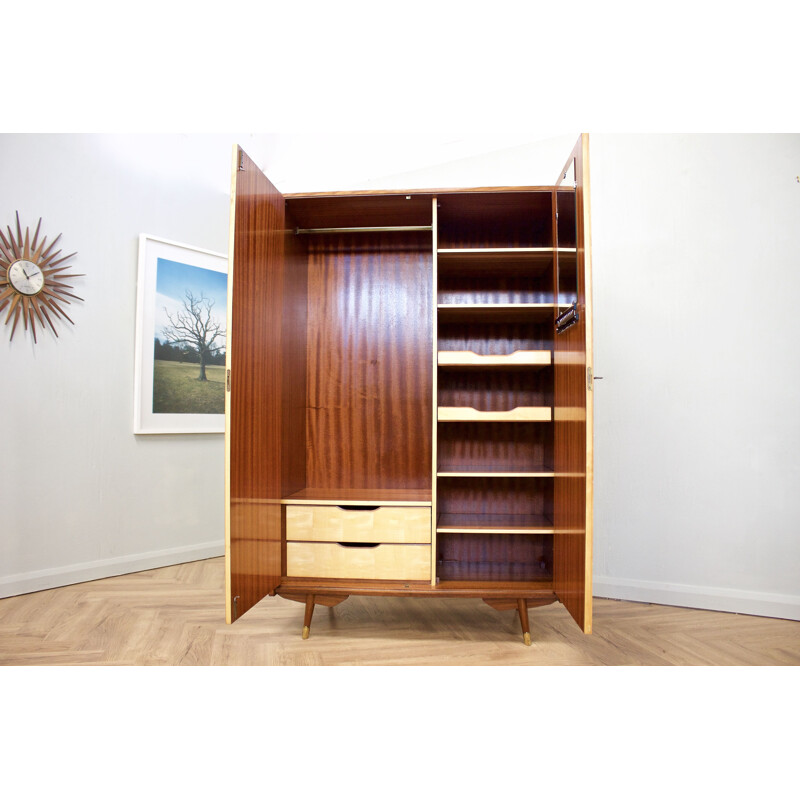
(181, 326)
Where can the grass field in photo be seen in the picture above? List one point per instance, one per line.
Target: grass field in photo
(176, 389)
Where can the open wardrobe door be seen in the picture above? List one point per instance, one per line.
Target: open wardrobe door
(573, 406)
(259, 284)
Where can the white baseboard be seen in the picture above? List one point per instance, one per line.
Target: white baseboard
(758, 604)
(25, 582)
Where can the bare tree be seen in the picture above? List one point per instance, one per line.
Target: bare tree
(195, 327)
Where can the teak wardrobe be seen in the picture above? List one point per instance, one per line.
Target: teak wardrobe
(409, 395)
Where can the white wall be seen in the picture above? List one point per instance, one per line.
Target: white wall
(695, 242)
(697, 477)
(82, 497)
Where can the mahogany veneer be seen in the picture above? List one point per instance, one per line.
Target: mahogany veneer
(402, 416)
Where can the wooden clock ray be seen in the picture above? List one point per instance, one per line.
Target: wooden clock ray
(32, 277)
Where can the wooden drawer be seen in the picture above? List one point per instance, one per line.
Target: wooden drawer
(389, 562)
(389, 524)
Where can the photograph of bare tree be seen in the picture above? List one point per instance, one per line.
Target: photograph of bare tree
(181, 329)
(189, 343)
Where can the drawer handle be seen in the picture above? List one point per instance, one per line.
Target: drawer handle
(358, 544)
(359, 508)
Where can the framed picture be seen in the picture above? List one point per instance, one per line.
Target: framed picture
(181, 322)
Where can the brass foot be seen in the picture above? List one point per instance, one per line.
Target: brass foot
(305, 632)
(526, 638)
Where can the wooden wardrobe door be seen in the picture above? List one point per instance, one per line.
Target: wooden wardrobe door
(572, 413)
(265, 362)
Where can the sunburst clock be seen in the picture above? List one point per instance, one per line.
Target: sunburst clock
(32, 280)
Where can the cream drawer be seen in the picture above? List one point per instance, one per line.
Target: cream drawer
(390, 524)
(388, 562)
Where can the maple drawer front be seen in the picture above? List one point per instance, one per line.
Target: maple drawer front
(389, 562)
(384, 524)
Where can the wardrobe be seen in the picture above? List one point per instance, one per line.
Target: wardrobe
(409, 395)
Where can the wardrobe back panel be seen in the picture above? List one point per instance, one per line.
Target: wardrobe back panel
(369, 377)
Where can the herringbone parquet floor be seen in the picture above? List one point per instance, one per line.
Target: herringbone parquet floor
(176, 616)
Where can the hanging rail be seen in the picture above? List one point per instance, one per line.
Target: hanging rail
(381, 229)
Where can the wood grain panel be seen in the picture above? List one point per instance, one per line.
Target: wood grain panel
(265, 405)
(512, 219)
(573, 431)
(497, 390)
(399, 525)
(496, 495)
(337, 211)
(527, 446)
(498, 338)
(255, 553)
(369, 362)
(294, 324)
(397, 562)
(494, 286)
(494, 557)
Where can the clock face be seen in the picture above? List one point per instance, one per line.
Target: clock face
(26, 277)
(33, 281)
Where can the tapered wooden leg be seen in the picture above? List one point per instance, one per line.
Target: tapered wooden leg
(522, 607)
(309, 614)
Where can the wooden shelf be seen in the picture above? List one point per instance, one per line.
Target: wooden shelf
(479, 256)
(521, 414)
(495, 312)
(494, 523)
(360, 497)
(491, 471)
(519, 358)
(495, 260)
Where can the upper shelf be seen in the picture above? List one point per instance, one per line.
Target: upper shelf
(497, 221)
(495, 255)
(496, 312)
(519, 358)
(359, 211)
(507, 261)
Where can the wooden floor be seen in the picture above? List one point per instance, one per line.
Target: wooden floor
(176, 616)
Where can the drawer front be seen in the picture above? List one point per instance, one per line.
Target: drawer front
(388, 562)
(390, 524)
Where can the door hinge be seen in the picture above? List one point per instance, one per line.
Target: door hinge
(236, 608)
(229, 381)
(241, 161)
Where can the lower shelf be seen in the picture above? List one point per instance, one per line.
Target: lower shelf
(494, 523)
(494, 557)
